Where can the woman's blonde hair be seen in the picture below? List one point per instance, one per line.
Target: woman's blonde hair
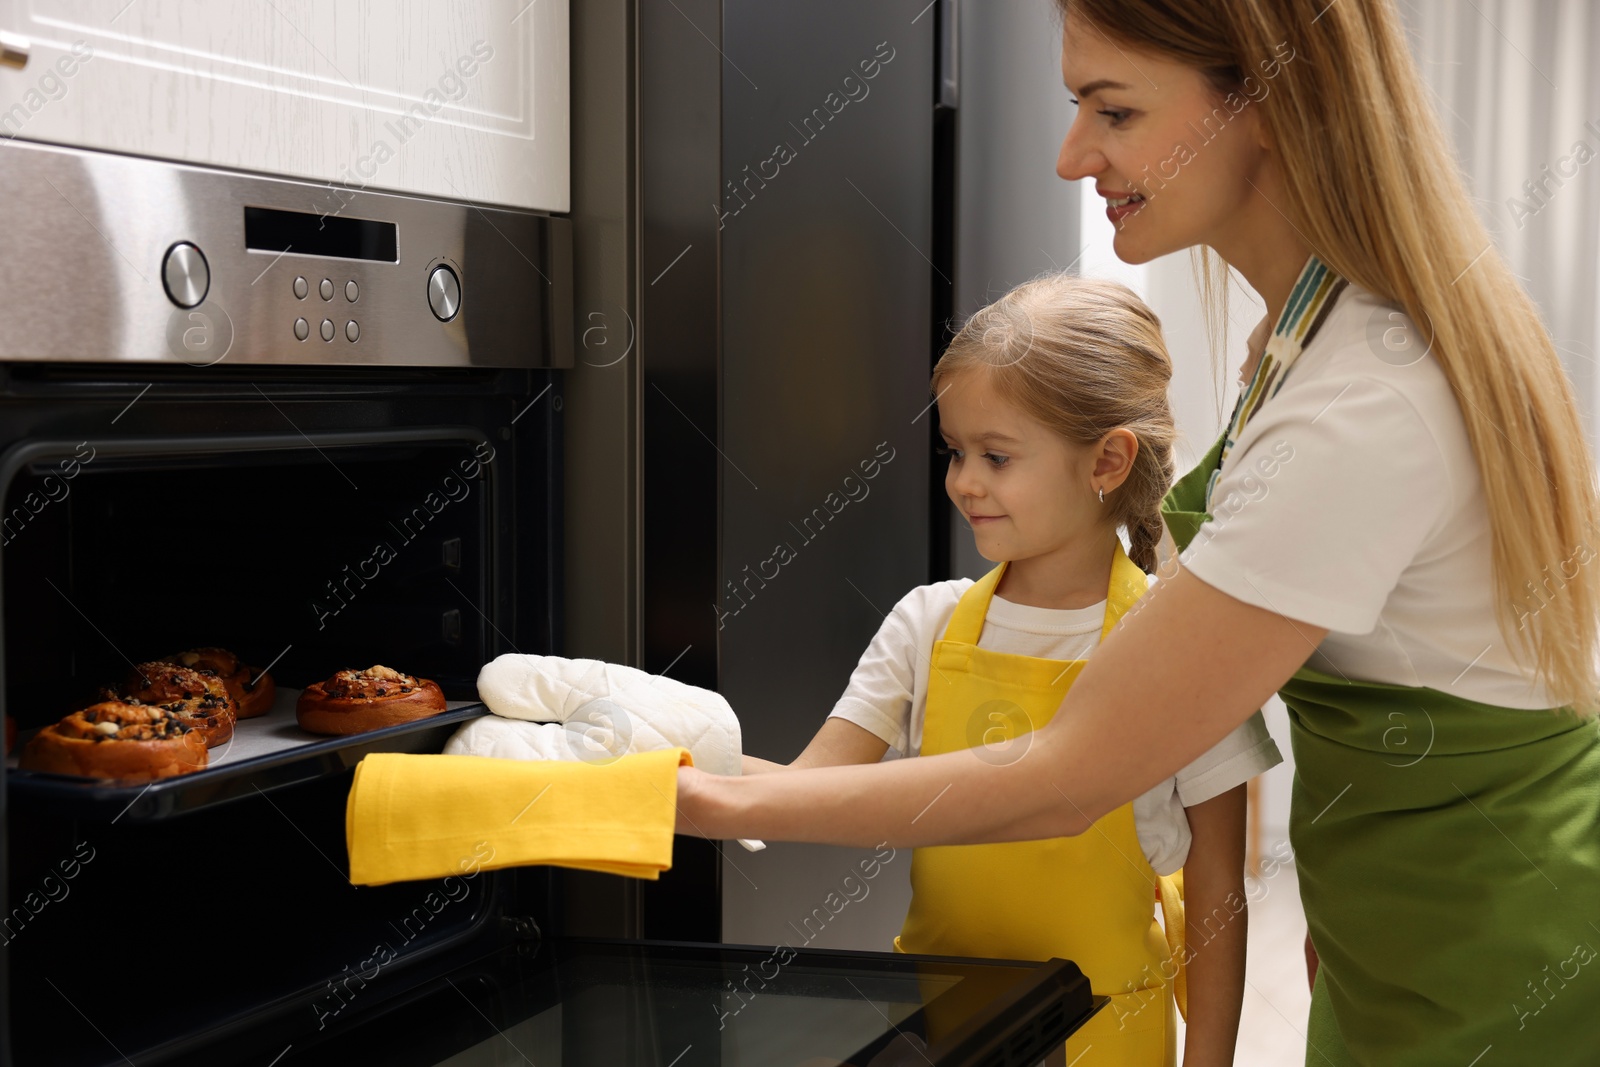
(1373, 188)
(1083, 357)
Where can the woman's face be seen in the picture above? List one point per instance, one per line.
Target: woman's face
(1155, 130)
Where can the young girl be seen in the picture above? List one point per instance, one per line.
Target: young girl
(1053, 409)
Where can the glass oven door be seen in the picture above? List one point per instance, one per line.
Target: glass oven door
(587, 1003)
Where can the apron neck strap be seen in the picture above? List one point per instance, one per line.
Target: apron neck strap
(1128, 584)
(1310, 301)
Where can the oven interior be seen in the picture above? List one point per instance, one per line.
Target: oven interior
(420, 539)
(309, 559)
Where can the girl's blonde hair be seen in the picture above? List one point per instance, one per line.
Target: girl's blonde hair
(1083, 357)
(1373, 188)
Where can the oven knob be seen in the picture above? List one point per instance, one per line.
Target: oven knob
(444, 293)
(186, 275)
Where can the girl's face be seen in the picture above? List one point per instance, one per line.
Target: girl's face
(1024, 489)
(1151, 128)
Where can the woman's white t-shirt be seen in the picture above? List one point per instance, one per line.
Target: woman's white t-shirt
(1352, 501)
(888, 692)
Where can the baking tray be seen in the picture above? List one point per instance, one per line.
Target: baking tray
(266, 752)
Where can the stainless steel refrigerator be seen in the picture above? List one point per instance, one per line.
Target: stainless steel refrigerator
(808, 197)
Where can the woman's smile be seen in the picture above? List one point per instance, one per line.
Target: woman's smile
(1120, 205)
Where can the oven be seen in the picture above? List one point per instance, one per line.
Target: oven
(317, 427)
(322, 427)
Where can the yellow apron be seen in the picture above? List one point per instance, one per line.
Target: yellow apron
(1089, 898)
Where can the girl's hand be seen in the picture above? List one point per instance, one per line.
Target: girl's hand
(1213, 889)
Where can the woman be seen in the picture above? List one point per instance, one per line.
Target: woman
(1394, 533)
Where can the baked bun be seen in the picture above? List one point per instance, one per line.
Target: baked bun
(115, 739)
(198, 699)
(252, 691)
(353, 702)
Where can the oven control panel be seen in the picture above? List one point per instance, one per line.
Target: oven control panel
(331, 305)
(115, 258)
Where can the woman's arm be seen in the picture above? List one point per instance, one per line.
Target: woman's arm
(1185, 666)
(839, 743)
(1216, 918)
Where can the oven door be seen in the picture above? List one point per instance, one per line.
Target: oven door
(579, 1003)
(309, 519)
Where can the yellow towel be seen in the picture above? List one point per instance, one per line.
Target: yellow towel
(422, 816)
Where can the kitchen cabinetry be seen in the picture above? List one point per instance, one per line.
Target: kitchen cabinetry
(466, 101)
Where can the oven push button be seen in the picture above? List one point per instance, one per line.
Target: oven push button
(327, 329)
(300, 289)
(352, 332)
(302, 329)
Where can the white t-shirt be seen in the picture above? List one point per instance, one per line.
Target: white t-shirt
(888, 692)
(1352, 501)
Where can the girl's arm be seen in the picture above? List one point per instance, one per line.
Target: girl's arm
(1216, 918)
(840, 742)
(1185, 666)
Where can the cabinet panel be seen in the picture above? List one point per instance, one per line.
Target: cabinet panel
(465, 100)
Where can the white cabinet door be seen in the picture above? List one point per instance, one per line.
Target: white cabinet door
(466, 99)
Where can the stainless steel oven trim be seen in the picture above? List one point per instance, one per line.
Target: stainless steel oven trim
(86, 236)
(13, 459)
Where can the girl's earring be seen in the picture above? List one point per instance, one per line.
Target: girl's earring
(1102, 494)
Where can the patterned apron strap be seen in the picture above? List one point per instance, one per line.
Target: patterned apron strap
(1312, 297)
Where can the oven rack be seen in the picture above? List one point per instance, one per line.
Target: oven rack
(266, 752)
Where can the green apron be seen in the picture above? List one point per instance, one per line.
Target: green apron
(1449, 862)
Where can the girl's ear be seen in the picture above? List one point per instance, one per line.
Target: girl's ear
(1113, 457)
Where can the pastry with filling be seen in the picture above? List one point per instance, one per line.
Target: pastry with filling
(117, 739)
(353, 702)
(252, 690)
(198, 699)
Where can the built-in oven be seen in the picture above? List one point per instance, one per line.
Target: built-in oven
(322, 429)
(317, 427)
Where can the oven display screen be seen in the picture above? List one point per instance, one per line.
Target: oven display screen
(270, 230)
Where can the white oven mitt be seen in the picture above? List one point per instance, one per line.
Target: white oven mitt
(553, 708)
